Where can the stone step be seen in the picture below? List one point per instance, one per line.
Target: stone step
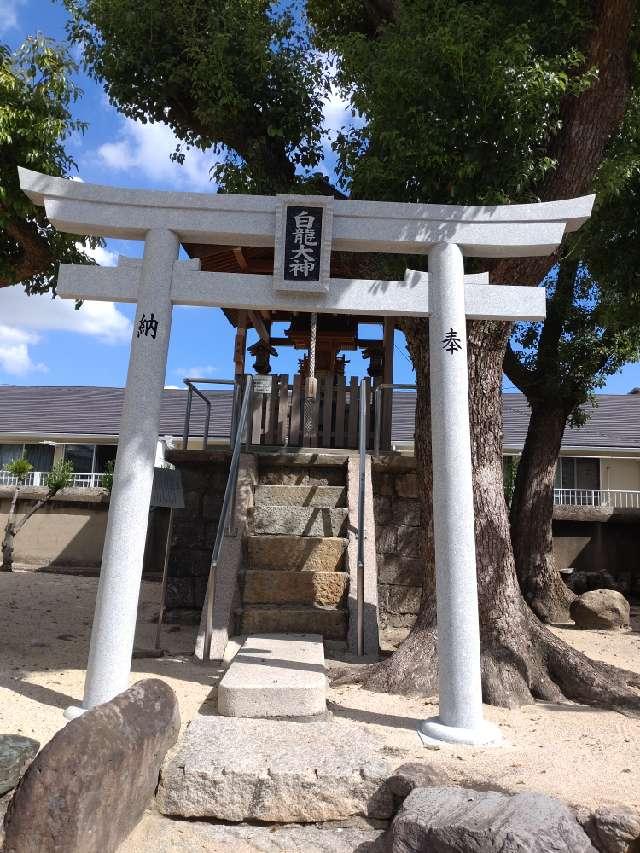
(275, 675)
(302, 475)
(307, 495)
(276, 771)
(298, 521)
(276, 619)
(296, 553)
(326, 589)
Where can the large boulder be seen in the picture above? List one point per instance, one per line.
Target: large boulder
(242, 769)
(613, 829)
(16, 753)
(453, 820)
(89, 786)
(600, 608)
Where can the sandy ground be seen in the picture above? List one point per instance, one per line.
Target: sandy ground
(585, 756)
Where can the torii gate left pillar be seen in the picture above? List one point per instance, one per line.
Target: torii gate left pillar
(114, 623)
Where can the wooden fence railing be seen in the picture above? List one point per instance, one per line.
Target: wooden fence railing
(277, 413)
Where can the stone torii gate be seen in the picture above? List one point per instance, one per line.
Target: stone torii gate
(304, 230)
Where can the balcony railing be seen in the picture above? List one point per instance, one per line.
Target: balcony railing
(39, 478)
(614, 498)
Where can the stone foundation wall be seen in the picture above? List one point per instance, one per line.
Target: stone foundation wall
(399, 538)
(599, 543)
(204, 477)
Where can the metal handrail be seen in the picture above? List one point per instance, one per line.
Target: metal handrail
(364, 399)
(190, 383)
(378, 409)
(227, 502)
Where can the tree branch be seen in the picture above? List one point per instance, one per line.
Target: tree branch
(588, 122)
(36, 256)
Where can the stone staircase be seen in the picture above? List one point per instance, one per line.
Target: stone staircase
(295, 580)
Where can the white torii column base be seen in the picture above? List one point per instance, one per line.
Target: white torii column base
(433, 732)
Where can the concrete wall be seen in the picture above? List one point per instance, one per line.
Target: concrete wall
(204, 477)
(621, 474)
(68, 531)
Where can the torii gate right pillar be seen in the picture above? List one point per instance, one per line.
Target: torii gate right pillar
(460, 716)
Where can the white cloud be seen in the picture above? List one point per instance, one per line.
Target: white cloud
(23, 317)
(14, 352)
(9, 14)
(336, 111)
(147, 148)
(203, 371)
(103, 257)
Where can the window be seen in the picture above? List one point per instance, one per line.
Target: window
(104, 453)
(80, 456)
(575, 472)
(9, 452)
(40, 456)
(89, 458)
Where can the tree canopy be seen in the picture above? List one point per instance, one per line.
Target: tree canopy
(37, 93)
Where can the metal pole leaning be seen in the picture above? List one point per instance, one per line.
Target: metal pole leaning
(222, 523)
(364, 395)
(187, 415)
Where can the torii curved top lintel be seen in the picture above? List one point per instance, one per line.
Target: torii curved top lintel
(368, 226)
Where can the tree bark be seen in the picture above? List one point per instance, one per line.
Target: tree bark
(12, 529)
(9, 534)
(413, 668)
(531, 515)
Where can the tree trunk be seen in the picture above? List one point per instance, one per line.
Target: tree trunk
(415, 663)
(532, 515)
(12, 529)
(521, 660)
(9, 535)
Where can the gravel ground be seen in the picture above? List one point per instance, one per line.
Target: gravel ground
(583, 755)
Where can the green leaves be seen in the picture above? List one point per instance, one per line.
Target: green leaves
(36, 94)
(237, 74)
(60, 476)
(19, 468)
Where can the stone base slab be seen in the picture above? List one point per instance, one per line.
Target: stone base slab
(275, 676)
(234, 769)
(163, 835)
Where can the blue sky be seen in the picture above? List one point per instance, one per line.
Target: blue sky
(47, 342)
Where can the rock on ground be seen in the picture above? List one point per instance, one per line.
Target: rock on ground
(612, 829)
(162, 835)
(600, 608)
(16, 753)
(89, 786)
(451, 820)
(239, 769)
(413, 775)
